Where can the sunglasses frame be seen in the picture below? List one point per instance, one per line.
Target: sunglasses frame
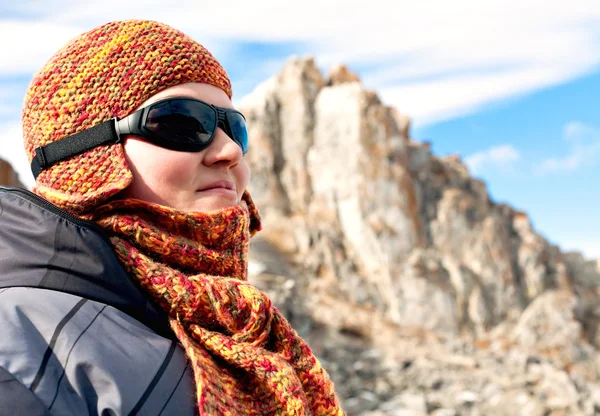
(135, 124)
(113, 131)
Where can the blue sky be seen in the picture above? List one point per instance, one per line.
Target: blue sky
(510, 85)
(559, 124)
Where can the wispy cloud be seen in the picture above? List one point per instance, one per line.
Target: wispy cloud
(432, 59)
(584, 143)
(589, 247)
(498, 157)
(28, 44)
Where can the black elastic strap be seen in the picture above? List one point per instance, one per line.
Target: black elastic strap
(46, 156)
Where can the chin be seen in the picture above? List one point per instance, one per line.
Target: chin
(213, 205)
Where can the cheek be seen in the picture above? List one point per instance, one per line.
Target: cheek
(241, 175)
(172, 171)
(161, 171)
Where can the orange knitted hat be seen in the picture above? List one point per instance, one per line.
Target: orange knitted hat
(104, 73)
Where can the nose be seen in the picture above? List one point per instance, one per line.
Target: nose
(223, 151)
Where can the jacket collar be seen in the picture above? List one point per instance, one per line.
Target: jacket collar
(45, 247)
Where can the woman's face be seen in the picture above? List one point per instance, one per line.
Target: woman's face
(203, 181)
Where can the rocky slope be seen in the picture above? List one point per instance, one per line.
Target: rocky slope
(8, 177)
(419, 293)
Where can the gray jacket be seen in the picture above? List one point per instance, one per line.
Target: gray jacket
(77, 337)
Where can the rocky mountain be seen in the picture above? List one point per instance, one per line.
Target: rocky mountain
(8, 177)
(420, 294)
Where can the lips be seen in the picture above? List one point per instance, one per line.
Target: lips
(222, 184)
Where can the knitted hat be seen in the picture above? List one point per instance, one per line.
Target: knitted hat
(104, 73)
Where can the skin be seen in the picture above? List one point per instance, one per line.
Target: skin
(180, 179)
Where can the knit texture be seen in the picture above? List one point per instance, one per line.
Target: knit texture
(246, 357)
(104, 73)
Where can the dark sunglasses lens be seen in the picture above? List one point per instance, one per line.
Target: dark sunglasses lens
(237, 124)
(187, 125)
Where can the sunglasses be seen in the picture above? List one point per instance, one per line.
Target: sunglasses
(182, 124)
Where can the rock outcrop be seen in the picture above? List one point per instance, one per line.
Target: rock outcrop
(8, 177)
(420, 295)
(418, 292)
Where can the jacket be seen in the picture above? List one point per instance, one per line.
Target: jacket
(77, 337)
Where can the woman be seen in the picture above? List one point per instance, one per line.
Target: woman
(123, 280)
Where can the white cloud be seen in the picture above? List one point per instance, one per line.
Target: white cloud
(499, 157)
(584, 142)
(452, 96)
(589, 248)
(432, 59)
(27, 45)
(576, 131)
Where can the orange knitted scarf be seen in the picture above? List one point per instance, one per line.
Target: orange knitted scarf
(246, 357)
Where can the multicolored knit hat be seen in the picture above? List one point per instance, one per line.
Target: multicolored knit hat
(104, 73)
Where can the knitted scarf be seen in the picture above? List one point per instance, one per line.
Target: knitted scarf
(247, 359)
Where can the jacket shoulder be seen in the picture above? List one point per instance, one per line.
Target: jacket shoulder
(78, 356)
